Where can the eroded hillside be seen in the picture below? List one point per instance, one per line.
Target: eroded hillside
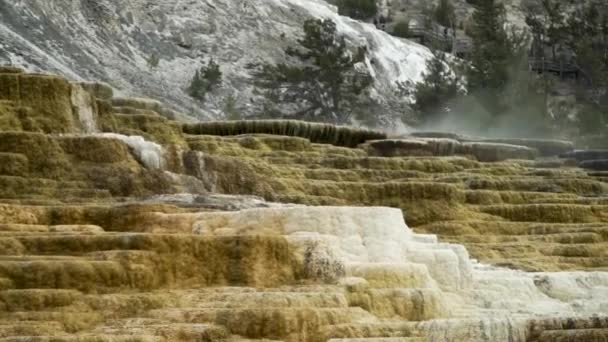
(119, 224)
(113, 41)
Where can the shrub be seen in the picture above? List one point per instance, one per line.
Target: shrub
(358, 9)
(207, 78)
(231, 112)
(444, 13)
(591, 120)
(401, 29)
(320, 82)
(153, 61)
(438, 87)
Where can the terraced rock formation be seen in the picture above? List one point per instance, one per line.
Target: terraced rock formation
(119, 224)
(529, 213)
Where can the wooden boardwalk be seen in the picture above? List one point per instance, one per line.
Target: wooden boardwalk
(561, 68)
(463, 46)
(444, 39)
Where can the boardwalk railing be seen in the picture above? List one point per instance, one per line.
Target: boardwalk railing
(550, 65)
(463, 45)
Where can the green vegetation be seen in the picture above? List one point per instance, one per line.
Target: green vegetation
(589, 40)
(439, 86)
(230, 110)
(491, 51)
(401, 29)
(205, 80)
(501, 91)
(444, 13)
(581, 38)
(497, 76)
(153, 61)
(358, 9)
(320, 81)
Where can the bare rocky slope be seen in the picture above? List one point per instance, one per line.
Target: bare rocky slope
(117, 224)
(112, 41)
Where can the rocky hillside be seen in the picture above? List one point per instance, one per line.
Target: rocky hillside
(118, 224)
(112, 41)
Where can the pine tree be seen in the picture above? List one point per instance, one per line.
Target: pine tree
(401, 29)
(490, 52)
(205, 80)
(555, 21)
(525, 97)
(548, 24)
(357, 9)
(153, 61)
(588, 30)
(588, 33)
(491, 56)
(438, 88)
(585, 33)
(321, 83)
(444, 13)
(231, 111)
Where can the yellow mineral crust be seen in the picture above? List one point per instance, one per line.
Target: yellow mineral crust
(119, 223)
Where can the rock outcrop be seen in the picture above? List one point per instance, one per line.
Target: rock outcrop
(118, 223)
(583, 155)
(482, 151)
(596, 164)
(544, 147)
(590, 159)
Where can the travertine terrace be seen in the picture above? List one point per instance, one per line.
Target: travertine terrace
(119, 224)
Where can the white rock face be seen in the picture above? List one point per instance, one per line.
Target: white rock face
(112, 41)
(83, 104)
(149, 153)
(357, 235)
(378, 251)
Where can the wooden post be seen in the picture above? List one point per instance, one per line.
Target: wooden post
(454, 39)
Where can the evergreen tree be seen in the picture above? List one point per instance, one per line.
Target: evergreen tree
(153, 61)
(525, 97)
(231, 111)
(401, 29)
(205, 80)
(358, 9)
(498, 76)
(537, 29)
(585, 34)
(592, 119)
(321, 82)
(438, 88)
(588, 33)
(490, 53)
(495, 51)
(547, 22)
(588, 38)
(444, 13)
(555, 23)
